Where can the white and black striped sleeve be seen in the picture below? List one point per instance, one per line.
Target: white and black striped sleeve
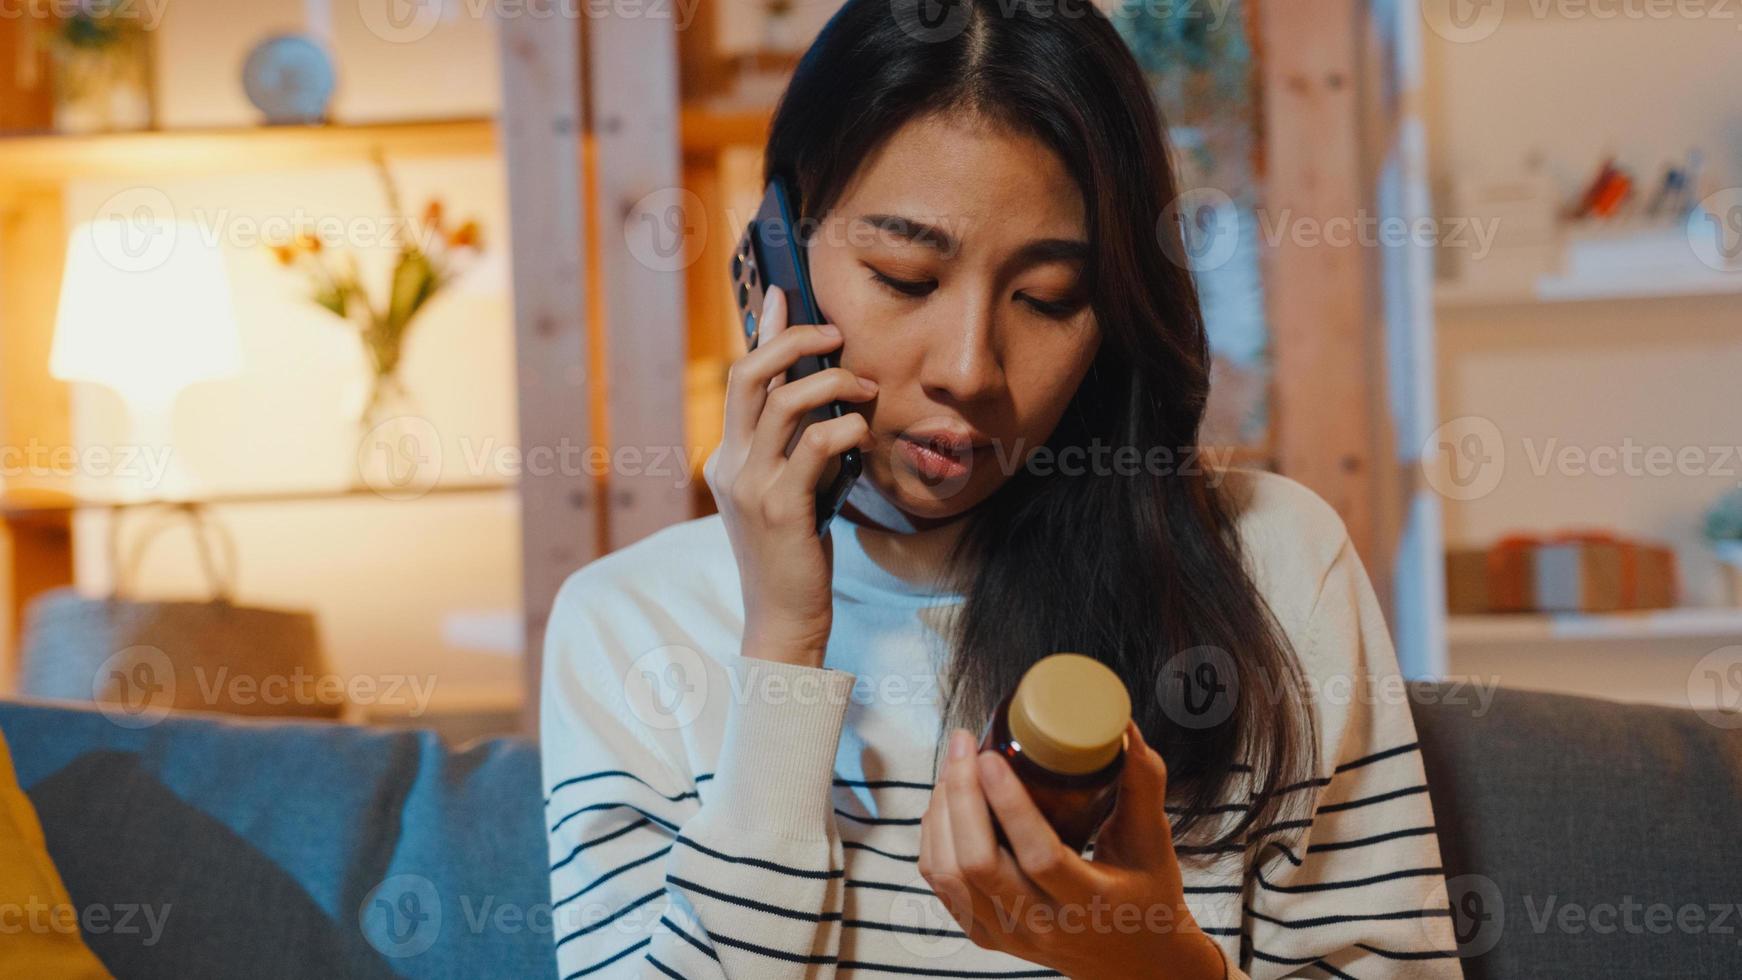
(1360, 891)
(656, 872)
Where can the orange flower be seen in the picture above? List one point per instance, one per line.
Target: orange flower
(466, 236)
(284, 253)
(432, 213)
(307, 242)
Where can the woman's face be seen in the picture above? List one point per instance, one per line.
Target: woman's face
(951, 264)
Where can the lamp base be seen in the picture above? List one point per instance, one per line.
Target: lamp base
(159, 473)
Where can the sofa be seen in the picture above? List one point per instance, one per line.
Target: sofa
(214, 847)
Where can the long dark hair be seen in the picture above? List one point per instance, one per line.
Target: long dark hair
(1144, 573)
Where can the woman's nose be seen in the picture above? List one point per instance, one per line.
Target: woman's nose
(961, 361)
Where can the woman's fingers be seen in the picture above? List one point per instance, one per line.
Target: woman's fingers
(789, 403)
(772, 325)
(749, 382)
(937, 863)
(984, 864)
(821, 442)
(1039, 854)
(1137, 833)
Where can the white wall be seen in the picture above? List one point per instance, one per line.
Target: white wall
(1574, 88)
(392, 60)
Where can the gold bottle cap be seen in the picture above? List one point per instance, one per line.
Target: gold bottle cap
(1069, 713)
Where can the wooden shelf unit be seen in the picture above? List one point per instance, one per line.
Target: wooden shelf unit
(35, 168)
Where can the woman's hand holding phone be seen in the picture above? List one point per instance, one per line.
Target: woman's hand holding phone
(768, 499)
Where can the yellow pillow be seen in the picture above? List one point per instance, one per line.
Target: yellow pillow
(39, 927)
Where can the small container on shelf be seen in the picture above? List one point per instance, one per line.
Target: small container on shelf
(1569, 571)
(1730, 558)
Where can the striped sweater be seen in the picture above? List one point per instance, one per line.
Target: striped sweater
(717, 816)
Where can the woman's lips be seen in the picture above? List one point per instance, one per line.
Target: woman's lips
(934, 464)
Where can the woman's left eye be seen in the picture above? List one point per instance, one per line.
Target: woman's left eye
(1057, 309)
(906, 287)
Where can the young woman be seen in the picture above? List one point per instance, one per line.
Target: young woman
(757, 744)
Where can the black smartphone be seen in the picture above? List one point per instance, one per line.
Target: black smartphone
(770, 252)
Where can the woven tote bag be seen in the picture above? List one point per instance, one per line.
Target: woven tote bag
(140, 659)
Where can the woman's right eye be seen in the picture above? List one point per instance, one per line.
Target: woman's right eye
(906, 287)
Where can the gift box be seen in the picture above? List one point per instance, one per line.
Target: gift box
(1571, 571)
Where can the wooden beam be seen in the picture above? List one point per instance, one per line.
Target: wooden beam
(34, 408)
(1328, 365)
(541, 127)
(26, 92)
(650, 226)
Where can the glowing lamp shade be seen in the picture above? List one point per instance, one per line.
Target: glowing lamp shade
(144, 309)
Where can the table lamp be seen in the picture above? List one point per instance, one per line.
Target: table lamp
(145, 310)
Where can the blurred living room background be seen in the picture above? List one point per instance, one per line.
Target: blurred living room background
(351, 328)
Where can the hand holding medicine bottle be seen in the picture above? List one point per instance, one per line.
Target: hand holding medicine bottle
(992, 851)
(767, 499)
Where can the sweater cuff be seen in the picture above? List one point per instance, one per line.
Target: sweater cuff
(777, 762)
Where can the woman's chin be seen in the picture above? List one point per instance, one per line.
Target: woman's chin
(930, 501)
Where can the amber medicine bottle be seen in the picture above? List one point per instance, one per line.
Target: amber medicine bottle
(1063, 732)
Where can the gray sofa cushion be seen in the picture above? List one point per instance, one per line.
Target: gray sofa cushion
(1584, 838)
(246, 849)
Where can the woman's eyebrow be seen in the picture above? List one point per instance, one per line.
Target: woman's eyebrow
(934, 237)
(911, 230)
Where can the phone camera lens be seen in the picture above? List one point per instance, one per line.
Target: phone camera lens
(737, 265)
(743, 296)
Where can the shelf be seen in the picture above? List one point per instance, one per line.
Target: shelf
(1609, 261)
(53, 158)
(1566, 289)
(1714, 623)
(27, 506)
